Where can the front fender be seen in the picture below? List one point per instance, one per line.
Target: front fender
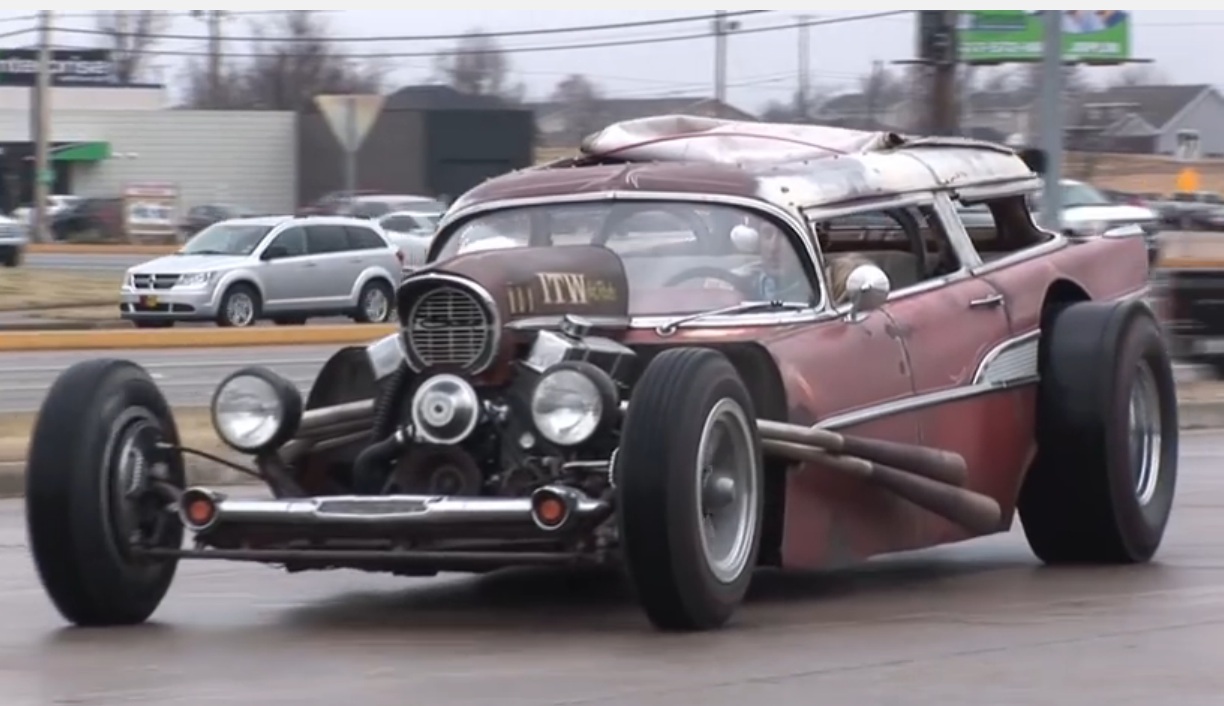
(346, 377)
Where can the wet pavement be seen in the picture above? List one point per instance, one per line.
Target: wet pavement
(980, 623)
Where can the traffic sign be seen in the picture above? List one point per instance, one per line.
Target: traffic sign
(350, 116)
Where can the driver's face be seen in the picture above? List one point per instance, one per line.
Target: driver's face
(773, 250)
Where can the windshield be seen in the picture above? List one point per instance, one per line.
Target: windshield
(226, 239)
(680, 258)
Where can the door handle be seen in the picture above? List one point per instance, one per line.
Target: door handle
(356, 261)
(310, 264)
(987, 302)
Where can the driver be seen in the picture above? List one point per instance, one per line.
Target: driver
(780, 276)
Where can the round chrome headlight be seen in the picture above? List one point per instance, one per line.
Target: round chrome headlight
(571, 401)
(445, 410)
(255, 409)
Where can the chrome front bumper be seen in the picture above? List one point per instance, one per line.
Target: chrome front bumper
(383, 517)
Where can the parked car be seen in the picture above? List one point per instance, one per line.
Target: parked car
(329, 204)
(13, 241)
(286, 269)
(200, 217)
(1185, 210)
(55, 204)
(379, 205)
(687, 405)
(1087, 211)
(411, 232)
(89, 219)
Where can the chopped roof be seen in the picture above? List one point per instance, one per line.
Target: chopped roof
(791, 166)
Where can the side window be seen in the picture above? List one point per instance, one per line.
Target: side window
(364, 239)
(321, 240)
(908, 244)
(1001, 227)
(293, 241)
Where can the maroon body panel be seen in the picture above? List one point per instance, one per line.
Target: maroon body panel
(930, 344)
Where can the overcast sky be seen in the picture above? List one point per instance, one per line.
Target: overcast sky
(763, 66)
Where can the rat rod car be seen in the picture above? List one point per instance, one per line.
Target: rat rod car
(696, 348)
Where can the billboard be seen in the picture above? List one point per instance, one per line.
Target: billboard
(69, 67)
(1005, 36)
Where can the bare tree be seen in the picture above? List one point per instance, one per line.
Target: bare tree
(580, 98)
(292, 59)
(1137, 75)
(130, 34)
(478, 66)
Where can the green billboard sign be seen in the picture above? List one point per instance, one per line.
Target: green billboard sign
(1004, 36)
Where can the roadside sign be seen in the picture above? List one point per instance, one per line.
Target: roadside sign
(1188, 180)
(350, 116)
(1016, 36)
(150, 212)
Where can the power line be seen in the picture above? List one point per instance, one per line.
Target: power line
(442, 37)
(547, 48)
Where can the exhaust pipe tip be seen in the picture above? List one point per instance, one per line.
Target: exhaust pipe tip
(199, 509)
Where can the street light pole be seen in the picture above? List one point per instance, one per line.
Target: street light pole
(1051, 127)
(42, 129)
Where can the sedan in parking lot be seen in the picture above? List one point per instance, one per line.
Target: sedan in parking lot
(412, 232)
(286, 269)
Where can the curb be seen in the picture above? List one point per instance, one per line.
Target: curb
(39, 308)
(98, 249)
(1194, 416)
(64, 325)
(77, 340)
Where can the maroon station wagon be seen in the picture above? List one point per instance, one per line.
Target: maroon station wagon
(696, 348)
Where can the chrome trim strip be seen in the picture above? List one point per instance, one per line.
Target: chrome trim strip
(918, 402)
(1010, 361)
(482, 294)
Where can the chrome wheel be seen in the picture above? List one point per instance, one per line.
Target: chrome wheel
(240, 309)
(376, 305)
(726, 491)
(132, 466)
(1145, 434)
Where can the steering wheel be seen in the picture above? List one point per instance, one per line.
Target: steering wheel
(742, 284)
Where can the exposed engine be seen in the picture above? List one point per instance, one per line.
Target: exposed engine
(444, 427)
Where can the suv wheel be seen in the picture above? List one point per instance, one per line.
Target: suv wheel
(374, 305)
(239, 307)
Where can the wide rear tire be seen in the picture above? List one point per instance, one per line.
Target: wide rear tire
(92, 459)
(1102, 487)
(690, 485)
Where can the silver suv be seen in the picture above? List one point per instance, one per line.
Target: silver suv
(281, 268)
(12, 241)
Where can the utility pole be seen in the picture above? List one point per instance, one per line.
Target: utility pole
(214, 19)
(805, 66)
(940, 50)
(720, 56)
(41, 128)
(1051, 124)
(722, 28)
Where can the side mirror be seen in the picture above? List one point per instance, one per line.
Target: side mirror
(867, 289)
(275, 252)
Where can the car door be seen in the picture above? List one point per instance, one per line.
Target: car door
(337, 266)
(954, 327)
(287, 272)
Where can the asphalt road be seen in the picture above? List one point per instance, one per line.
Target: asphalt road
(188, 377)
(979, 623)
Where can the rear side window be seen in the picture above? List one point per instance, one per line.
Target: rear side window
(326, 239)
(364, 239)
(293, 241)
(399, 224)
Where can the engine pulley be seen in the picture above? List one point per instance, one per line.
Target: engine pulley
(437, 470)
